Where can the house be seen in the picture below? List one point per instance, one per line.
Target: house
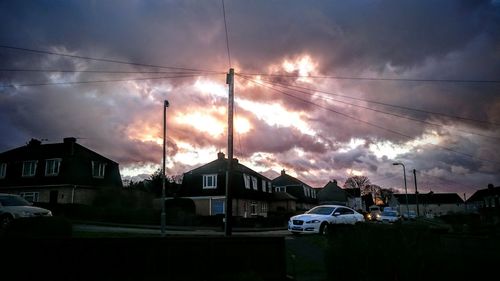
(251, 192)
(484, 199)
(331, 193)
(430, 204)
(305, 194)
(64, 172)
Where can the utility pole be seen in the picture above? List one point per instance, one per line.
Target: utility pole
(163, 215)
(229, 173)
(416, 191)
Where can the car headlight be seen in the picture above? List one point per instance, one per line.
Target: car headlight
(26, 214)
(312, 221)
(378, 216)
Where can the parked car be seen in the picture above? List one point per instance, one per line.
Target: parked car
(14, 207)
(389, 216)
(317, 219)
(411, 215)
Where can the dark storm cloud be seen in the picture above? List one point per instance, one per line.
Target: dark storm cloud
(406, 39)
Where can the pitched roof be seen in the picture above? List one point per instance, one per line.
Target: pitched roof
(430, 198)
(332, 193)
(480, 194)
(220, 165)
(283, 196)
(286, 180)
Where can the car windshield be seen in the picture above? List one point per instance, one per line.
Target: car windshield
(321, 210)
(13, 201)
(390, 214)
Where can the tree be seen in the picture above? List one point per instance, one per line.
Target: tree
(155, 183)
(360, 182)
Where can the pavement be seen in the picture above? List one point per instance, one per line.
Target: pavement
(177, 228)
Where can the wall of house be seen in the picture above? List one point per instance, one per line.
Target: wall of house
(289, 205)
(432, 210)
(202, 206)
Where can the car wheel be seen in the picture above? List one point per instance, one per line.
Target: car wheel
(323, 229)
(5, 221)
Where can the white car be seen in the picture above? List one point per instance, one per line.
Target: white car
(14, 206)
(317, 219)
(389, 216)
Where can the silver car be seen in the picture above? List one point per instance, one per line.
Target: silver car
(14, 207)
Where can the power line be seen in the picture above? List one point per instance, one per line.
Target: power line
(103, 59)
(381, 111)
(395, 106)
(227, 37)
(100, 81)
(99, 71)
(374, 78)
(366, 122)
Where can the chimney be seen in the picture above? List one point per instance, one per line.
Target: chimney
(71, 142)
(283, 172)
(34, 142)
(220, 156)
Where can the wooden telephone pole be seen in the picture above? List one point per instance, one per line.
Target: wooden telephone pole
(229, 173)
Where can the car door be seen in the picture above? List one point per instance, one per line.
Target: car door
(349, 216)
(339, 217)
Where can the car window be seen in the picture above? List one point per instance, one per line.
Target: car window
(321, 211)
(13, 201)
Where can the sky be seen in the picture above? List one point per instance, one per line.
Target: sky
(323, 89)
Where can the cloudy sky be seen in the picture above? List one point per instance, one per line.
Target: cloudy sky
(324, 89)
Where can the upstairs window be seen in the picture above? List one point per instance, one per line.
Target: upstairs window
(264, 185)
(269, 187)
(3, 170)
(98, 169)
(210, 181)
(29, 168)
(281, 189)
(254, 183)
(246, 178)
(52, 167)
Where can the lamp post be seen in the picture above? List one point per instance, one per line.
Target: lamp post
(163, 215)
(406, 190)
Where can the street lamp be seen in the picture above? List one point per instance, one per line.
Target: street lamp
(406, 190)
(163, 215)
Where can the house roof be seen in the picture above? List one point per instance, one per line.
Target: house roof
(430, 198)
(220, 165)
(35, 148)
(332, 192)
(482, 193)
(283, 196)
(286, 180)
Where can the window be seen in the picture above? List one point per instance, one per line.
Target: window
(246, 178)
(253, 208)
(264, 207)
(281, 189)
(210, 181)
(263, 185)
(52, 167)
(3, 170)
(269, 187)
(29, 168)
(30, 196)
(254, 183)
(98, 169)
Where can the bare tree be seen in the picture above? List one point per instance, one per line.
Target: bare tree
(360, 182)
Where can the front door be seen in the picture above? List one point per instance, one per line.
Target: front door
(53, 196)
